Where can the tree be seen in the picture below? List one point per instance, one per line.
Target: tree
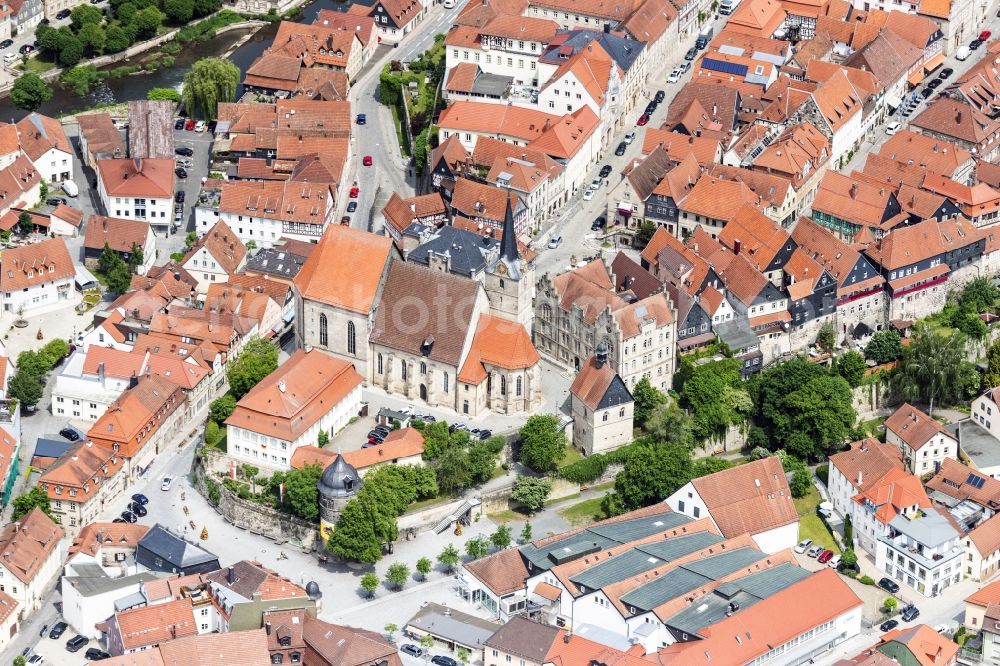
(26, 503)
(107, 260)
(453, 471)
(83, 15)
(147, 21)
(849, 557)
(705, 466)
(94, 37)
(851, 366)
(179, 11)
(361, 532)
(163, 94)
(448, 558)
(210, 81)
(647, 398)
(827, 337)
(543, 443)
(301, 492)
(930, 369)
(258, 359)
(135, 257)
(424, 566)
(463, 655)
(526, 533)
(501, 538)
(116, 39)
(397, 575)
(206, 7)
(30, 92)
(212, 433)
(427, 642)
(651, 473)
(221, 408)
(716, 396)
(322, 438)
(70, 50)
(436, 439)
(644, 233)
(992, 376)
(669, 424)
(884, 346)
(369, 583)
(26, 388)
(20, 660)
(848, 531)
(979, 294)
(390, 629)
(80, 79)
(25, 225)
(119, 278)
(482, 462)
(47, 38)
(477, 547)
(801, 483)
(531, 492)
(889, 605)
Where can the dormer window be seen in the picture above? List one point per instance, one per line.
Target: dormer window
(285, 641)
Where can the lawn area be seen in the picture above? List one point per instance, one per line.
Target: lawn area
(583, 513)
(507, 516)
(811, 526)
(572, 455)
(36, 66)
(400, 134)
(431, 501)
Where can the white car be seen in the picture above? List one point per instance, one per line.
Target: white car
(554, 242)
(803, 545)
(200, 126)
(943, 629)
(167, 482)
(834, 562)
(588, 195)
(629, 138)
(815, 551)
(596, 183)
(893, 127)
(674, 75)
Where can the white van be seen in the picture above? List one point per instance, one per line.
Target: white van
(962, 53)
(70, 188)
(9, 58)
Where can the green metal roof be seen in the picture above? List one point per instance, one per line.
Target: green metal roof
(662, 589)
(640, 528)
(614, 569)
(677, 547)
(565, 550)
(723, 564)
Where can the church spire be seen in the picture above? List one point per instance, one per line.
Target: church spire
(508, 242)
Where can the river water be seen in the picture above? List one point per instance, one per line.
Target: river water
(65, 101)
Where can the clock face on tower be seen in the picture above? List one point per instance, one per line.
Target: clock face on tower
(502, 268)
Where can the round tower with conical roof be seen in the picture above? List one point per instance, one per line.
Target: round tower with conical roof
(338, 484)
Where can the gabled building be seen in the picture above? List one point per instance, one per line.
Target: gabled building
(847, 205)
(43, 141)
(961, 124)
(36, 276)
(81, 483)
(100, 138)
(160, 550)
(922, 440)
(139, 189)
(394, 19)
(602, 407)
(216, 255)
(126, 238)
(31, 559)
(858, 469)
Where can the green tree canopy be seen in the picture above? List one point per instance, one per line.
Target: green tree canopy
(705, 466)
(26, 503)
(30, 92)
(119, 278)
(424, 566)
(362, 531)
(980, 294)
(257, 360)
(884, 346)
(221, 408)
(669, 424)
(448, 558)
(26, 387)
(647, 399)
(369, 583)
(992, 376)
(179, 11)
(116, 39)
(47, 38)
(70, 50)
(147, 21)
(502, 537)
(851, 366)
(531, 491)
(931, 368)
(163, 94)
(25, 225)
(543, 443)
(801, 483)
(827, 337)
(210, 81)
(526, 532)
(397, 574)
(302, 493)
(83, 15)
(454, 473)
(651, 473)
(716, 397)
(477, 547)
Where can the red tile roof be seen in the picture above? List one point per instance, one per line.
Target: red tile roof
(152, 178)
(748, 499)
(913, 426)
(350, 284)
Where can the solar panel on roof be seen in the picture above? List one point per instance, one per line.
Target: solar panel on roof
(975, 481)
(723, 66)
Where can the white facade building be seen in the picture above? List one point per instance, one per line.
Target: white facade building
(923, 552)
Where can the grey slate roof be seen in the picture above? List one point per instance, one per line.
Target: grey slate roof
(524, 638)
(174, 550)
(639, 528)
(452, 625)
(623, 51)
(469, 252)
(725, 563)
(677, 547)
(275, 261)
(616, 394)
(737, 334)
(51, 446)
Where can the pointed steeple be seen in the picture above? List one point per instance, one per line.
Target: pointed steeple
(508, 242)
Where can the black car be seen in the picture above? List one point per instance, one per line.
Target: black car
(63, 14)
(599, 223)
(620, 150)
(212, 124)
(5, 43)
(74, 644)
(129, 517)
(605, 171)
(975, 44)
(889, 585)
(691, 54)
(352, 206)
(95, 654)
(181, 173)
(179, 197)
(442, 660)
(138, 510)
(70, 434)
(412, 650)
(55, 201)
(888, 625)
(926, 92)
(934, 83)
(910, 613)
(179, 124)
(485, 434)
(44, 22)
(185, 151)
(58, 629)
(26, 48)
(945, 73)
(118, 520)
(660, 96)
(650, 108)
(140, 498)
(44, 628)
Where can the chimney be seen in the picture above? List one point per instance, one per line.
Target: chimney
(958, 116)
(737, 245)
(100, 371)
(133, 381)
(567, 637)
(607, 28)
(861, 477)
(267, 628)
(854, 190)
(17, 526)
(281, 385)
(231, 575)
(138, 164)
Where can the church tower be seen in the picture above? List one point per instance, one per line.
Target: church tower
(510, 280)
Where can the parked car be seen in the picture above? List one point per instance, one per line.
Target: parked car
(179, 124)
(74, 644)
(137, 509)
(166, 483)
(129, 517)
(643, 119)
(926, 92)
(485, 434)
(179, 197)
(596, 183)
(26, 48)
(599, 223)
(984, 35)
(803, 545)
(63, 14)
(367, 160)
(185, 151)
(893, 127)
(620, 150)
(675, 75)
(910, 613)
(212, 124)
(651, 108)
(888, 625)
(588, 195)
(345, 221)
(825, 556)
(362, 119)
(889, 585)
(835, 562)
(57, 630)
(140, 498)
(36, 659)
(660, 96)
(934, 83)
(975, 44)
(442, 660)
(605, 171)
(945, 73)
(352, 206)
(554, 242)
(181, 173)
(6, 43)
(629, 138)
(355, 191)
(55, 201)
(26, 651)
(691, 54)
(412, 650)
(189, 124)
(943, 629)
(70, 434)
(815, 551)
(41, 632)
(200, 126)
(96, 654)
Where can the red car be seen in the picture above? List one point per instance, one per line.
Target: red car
(367, 161)
(189, 125)
(643, 119)
(825, 556)
(984, 35)
(354, 192)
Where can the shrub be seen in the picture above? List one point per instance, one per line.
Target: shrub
(214, 494)
(823, 473)
(866, 580)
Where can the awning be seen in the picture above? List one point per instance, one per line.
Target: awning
(934, 63)
(624, 208)
(85, 279)
(916, 77)
(893, 101)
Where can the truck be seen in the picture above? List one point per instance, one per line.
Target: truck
(704, 37)
(727, 7)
